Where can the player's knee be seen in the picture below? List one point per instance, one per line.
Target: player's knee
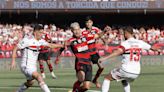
(124, 82)
(41, 83)
(38, 77)
(87, 87)
(109, 77)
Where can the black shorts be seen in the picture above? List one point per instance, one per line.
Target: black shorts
(44, 56)
(95, 58)
(87, 68)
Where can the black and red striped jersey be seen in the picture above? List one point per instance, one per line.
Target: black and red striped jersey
(80, 47)
(91, 42)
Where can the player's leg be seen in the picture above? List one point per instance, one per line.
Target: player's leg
(27, 72)
(128, 77)
(94, 59)
(47, 59)
(115, 74)
(98, 73)
(106, 83)
(41, 82)
(80, 76)
(85, 87)
(51, 69)
(41, 66)
(88, 78)
(126, 85)
(25, 85)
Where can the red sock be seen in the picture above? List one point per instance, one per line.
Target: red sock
(50, 67)
(41, 68)
(76, 85)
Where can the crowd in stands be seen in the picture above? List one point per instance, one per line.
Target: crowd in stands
(10, 34)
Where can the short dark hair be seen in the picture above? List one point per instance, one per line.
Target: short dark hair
(88, 18)
(128, 29)
(37, 27)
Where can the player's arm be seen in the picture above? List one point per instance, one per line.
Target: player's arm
(154, 48)
(147, 46)
(14, 55)
(55, 45)
(117, 52)
(21, 45)
(57, 60)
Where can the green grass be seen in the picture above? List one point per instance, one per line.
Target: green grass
(150, 80)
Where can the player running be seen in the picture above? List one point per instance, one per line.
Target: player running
(130, 68)
(44, 56)
(28, 65)
(90, 29)
(83, 63)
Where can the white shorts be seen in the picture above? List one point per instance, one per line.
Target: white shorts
(119, 74)
(28, 72)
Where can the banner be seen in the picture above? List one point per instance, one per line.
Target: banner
(79, 5)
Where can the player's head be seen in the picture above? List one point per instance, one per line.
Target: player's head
(89, 22)
(38, 29)
(128, 32)
(75, 28)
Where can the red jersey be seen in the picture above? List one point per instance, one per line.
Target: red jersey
(91, 42)
(46, 37)
(80, 48)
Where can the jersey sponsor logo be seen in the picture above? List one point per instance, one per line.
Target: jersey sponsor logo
(82, 48)
(90, 35)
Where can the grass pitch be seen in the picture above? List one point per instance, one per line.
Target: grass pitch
(150, 80)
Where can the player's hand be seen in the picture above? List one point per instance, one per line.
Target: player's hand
(57, 60)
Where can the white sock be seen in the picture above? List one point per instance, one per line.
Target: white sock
(105, 85)
(22, 88)
(127, 87)
(53, 75)
(43, 75)
(44, 87)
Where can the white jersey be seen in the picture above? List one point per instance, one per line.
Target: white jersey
(30, 47)
(132, 54)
